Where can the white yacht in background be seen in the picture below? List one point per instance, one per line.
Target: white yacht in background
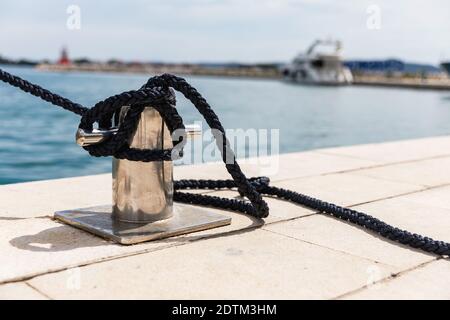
(316, 67)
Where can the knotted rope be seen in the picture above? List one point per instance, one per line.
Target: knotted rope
(157, 92)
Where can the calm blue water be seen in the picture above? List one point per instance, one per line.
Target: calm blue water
(37, 139)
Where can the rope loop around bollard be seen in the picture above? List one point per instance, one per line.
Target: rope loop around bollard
(103, 112)
(157, 93)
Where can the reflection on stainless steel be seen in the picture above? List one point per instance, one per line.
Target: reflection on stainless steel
(143, 191)
(86, 138)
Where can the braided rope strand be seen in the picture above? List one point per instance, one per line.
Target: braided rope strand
(363, 220)
(42, 93)
(156, 92)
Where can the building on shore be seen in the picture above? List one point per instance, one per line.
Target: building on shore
(64, 58)
(392, 68)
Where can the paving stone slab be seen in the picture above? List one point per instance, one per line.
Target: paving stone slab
(256, 264)
(43, 198)
(35, 246)
(347, 188)
(434, 197)
(278, 167)
(432, 172)
(396, 151)
(431, 281)
(342, 236)
(19, 291)
(405, 213)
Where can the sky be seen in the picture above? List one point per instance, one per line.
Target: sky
(225, 30)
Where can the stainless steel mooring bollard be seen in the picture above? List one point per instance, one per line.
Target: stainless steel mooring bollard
(143, 207)
(143, 191)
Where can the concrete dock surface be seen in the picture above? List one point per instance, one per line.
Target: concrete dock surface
(294, 254)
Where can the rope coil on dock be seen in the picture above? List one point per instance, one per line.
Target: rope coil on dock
(158, 93)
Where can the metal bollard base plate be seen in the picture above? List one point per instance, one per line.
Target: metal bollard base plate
(186, 219)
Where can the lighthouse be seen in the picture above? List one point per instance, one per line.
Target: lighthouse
(64, 58)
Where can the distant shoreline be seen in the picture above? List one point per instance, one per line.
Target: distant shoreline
(196, 70)
(403, 82)
(246, 72)
(252, 72)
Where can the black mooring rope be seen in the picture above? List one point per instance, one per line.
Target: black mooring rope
(157, 93)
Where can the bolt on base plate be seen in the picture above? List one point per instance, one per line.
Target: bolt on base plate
(98, 220)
